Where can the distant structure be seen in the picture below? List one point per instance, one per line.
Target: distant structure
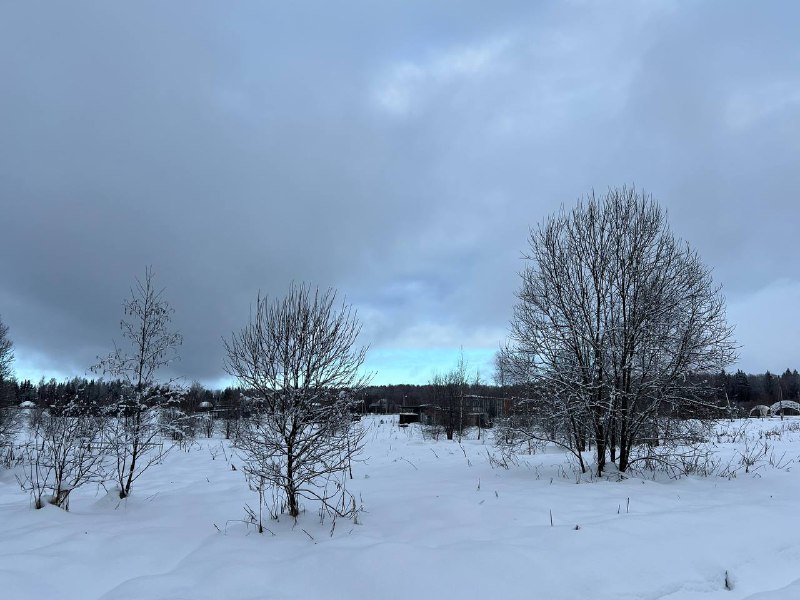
(783, 405)
(780, 407)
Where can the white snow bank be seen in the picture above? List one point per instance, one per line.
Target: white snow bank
(439, 521)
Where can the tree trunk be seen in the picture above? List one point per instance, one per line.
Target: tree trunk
(624, 455)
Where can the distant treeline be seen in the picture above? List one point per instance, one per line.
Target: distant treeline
(768, 388)
(740, 389)
(98, 392)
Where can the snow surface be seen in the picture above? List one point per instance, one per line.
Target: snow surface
(439, 521)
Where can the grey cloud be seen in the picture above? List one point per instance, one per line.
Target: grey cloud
(397, 151)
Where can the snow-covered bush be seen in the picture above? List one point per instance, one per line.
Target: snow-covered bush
(64, 451)
(10, 423)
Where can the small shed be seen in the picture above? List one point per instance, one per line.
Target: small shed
(408, 417)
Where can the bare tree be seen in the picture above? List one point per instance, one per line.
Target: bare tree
(6, 353)
(6, 360)
(63, 452)
(615, 320)
(10, 425)
(9, 421)
(449, 390)
(298, 357)
(501, 374)
(135, 428)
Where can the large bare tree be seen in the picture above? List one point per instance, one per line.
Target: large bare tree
(615, 323)
(299, 357)
(135, 428)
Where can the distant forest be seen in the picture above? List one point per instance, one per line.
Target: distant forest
(742, 390)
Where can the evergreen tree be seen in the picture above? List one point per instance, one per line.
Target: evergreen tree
(741, 388)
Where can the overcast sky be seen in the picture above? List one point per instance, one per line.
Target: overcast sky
(398, 151)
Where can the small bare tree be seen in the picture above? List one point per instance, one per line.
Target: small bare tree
(136, 420)
(298, 357)
(449, 390)
(10, 425)
(6, 353)
(62, 453)
(615, 320)
(6, 360)
(9, 417)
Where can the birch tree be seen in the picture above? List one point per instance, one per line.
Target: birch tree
(134, 429)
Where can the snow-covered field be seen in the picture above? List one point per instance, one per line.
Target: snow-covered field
(439, 521)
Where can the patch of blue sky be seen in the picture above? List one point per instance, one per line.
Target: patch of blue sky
(418, 365)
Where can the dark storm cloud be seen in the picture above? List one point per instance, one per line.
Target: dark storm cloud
(397, 151)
